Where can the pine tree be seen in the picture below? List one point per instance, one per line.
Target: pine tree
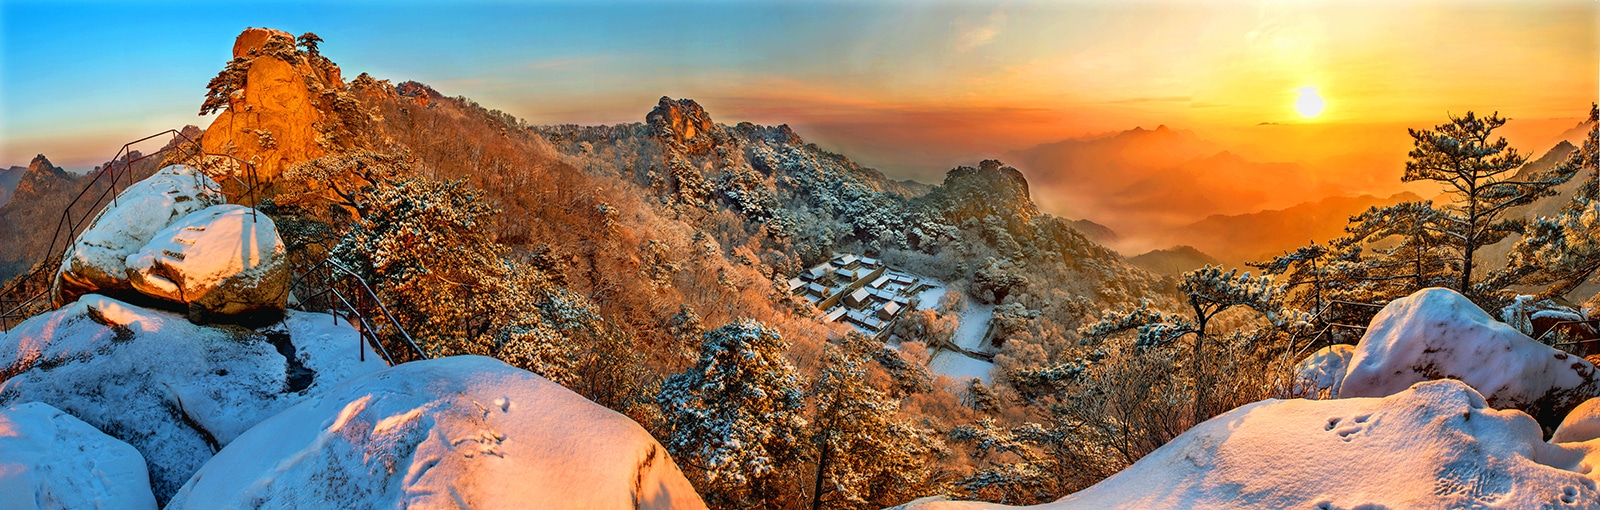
(1563, 251)
(735, 417)
(1209, 292)
(309, 41)
(866, 457)
(1478, 173)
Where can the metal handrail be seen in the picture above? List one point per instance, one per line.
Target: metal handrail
(338, 272)
(67, 225)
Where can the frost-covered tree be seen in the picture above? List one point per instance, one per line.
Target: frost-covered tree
(1478, 172)
(735, 418)
(866, 456)
(1562, 252)
(1209, 292)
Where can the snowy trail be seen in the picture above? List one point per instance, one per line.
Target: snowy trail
(973, 323)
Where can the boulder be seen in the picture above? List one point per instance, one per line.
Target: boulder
(173, 390)
(1582, 424)
(48, 459)
(1434, 445)
(1321, 373)
(96, 261)
(225, 261)
(1439, 334)
(457, 432)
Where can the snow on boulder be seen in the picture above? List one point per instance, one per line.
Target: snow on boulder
(1582, 424)
(1435, 445)
(1321, 373)
(174, 390)
(1439, 334)
(467, 432)
(223, 261)
(94, 263)
(48, 459)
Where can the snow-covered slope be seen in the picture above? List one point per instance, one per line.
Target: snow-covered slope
(48, 459)
(1437, 334)
(174, 390)
(1435, 445)
(95, 261)
(468, 432)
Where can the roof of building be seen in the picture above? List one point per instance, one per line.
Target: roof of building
(860, 295)
(889, 309)
(835, 314)
(795, 283)
(869, 261)
(879, 282)
(846, 259)
(820, 271)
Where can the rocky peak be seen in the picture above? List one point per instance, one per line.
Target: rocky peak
(991, 189)
(281, 104)
(682, 121)
(42, 164)
(253, 39)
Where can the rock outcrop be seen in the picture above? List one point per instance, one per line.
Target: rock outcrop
(223, 261)
(1439, 334)
(683, 121)
(96, 261)
(48, 459)
(174, 390)
(287, 108)
(464, 431)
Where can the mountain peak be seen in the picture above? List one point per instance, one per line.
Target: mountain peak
(682, 121)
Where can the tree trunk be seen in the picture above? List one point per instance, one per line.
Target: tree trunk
(822, 466)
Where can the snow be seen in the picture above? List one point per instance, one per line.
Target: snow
(1321, 373)
(1435, 445)
(1582, 424)
(1437, 333)
(165, 385)
(223, 246)
(929, 298)
(96, 260)
(971, 327)
(960, 366)
(48, 459)
(467, 431)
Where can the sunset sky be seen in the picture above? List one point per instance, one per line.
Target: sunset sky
(909, 87)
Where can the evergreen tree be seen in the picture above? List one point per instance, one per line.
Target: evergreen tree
(866, 457)
(309, 41)
(1563, 251)
(1478, 173)
(735, 417)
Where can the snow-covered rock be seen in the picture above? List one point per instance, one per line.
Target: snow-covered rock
(1321, 373)
(223, 261)
(1435, 445)
(468, 432)
(1582, 424)
(48, 459)
(174, 390)
(94, 263)
(1439, 334)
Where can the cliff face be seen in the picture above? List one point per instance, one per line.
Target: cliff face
(288, 105)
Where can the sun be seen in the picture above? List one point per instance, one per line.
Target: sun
(1309, 104)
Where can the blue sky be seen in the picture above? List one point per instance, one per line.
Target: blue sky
(907, 86)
